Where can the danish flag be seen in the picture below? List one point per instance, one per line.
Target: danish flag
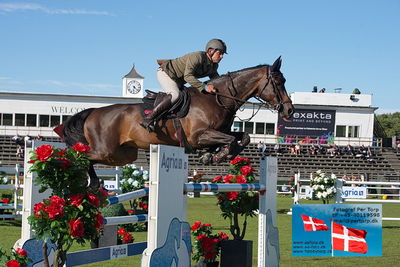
(312, 224)
(348, 239)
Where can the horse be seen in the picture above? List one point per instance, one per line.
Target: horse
(114, 134)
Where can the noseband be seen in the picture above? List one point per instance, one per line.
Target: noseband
(277, 107)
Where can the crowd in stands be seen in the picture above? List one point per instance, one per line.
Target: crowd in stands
(333, 150)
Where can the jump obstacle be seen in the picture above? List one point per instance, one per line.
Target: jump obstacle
(168, 238)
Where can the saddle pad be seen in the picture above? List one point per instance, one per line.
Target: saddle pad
(178, 110)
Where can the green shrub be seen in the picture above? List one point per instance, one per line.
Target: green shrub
(113, 210)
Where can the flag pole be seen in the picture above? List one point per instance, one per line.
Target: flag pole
(332, 237)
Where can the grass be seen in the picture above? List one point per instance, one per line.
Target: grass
(204, 209)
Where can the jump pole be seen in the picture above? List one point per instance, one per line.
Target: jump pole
(168, 203)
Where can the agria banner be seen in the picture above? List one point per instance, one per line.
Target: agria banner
(308, 122)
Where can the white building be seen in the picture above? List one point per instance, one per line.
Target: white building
(342, 118)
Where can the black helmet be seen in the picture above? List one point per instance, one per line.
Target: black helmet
(217, 44)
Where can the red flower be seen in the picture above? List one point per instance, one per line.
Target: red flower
(217, 179)
(32, 161)
(13, 263)
(207, 225)
(246, 170)
(54, 211)
(200, 237)
(76, 199)
(60, 153)
(44, 152)
(57, 201)
(207, 243)
(240, 160)
(121, 231)
(37, 208)
(222, 235)
(76, 228)
(240, 179)
(127, 238)
(99, 221)
(231, 195)
(5, 200)
(80, 147)
(103, 192)
(94, 200)
(131, 212)
(65, 163)
(196, 225)
(21, 252)
(229, 178)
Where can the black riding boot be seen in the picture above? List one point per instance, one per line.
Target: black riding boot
(149, 120)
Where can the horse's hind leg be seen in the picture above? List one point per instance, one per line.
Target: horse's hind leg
(94, 180)
(212, 138)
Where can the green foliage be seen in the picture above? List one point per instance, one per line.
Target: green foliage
(390, 123)
(113, 210)
(236, 205)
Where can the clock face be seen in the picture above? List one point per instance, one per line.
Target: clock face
(134, 87)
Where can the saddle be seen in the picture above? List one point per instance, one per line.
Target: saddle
(179, 110)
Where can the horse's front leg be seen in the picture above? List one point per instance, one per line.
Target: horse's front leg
(244, 140)
(212, 137)
(94, 179)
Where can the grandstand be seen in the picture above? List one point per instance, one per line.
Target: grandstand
(384, 166)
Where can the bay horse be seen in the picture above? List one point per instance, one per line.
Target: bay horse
(115, 135)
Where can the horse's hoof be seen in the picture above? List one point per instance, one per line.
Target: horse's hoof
(217, 159)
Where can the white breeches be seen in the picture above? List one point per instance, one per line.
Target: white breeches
(169, 85)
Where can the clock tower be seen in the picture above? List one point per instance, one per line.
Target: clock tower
(132, 84)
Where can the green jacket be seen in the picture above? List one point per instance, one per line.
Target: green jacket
(189, 68)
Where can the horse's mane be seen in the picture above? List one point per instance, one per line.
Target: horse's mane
(227, 75)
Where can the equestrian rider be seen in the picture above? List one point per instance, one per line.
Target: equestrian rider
(174, 73)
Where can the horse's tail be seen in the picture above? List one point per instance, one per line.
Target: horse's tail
(72, 129)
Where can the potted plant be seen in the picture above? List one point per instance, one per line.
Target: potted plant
(207, 245)
(237, 207)
(71, 213)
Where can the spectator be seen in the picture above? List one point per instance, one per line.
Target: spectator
(20, 152)
(38, 138)
(322, 90)
(18, 140)
(292, 149)
(278, 149)
(312, 150)
(350, 150)
(297, 150)
(261, 147)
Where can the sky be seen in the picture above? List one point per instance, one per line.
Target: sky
(85, 47)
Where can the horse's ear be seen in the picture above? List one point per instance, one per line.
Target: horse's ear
(277, 64)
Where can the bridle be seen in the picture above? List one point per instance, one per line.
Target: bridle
(277, 107)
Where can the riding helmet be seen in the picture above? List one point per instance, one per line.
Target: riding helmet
(217, 44)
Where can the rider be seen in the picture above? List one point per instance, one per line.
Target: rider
(174, 73)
